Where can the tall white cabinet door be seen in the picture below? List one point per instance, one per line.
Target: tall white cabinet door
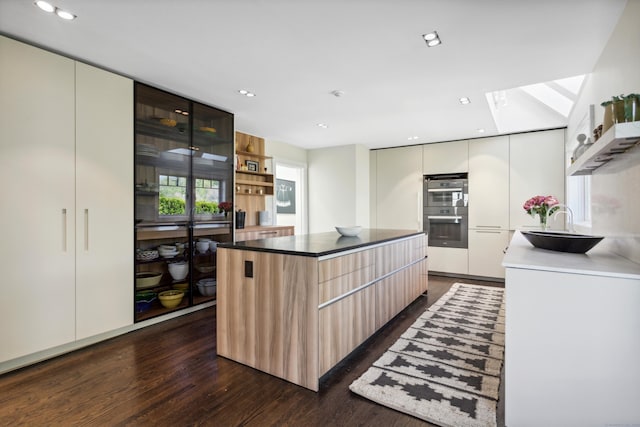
(445, 157)
(489, 183)
(537, 168)
(104, 199)
(399, 188)
(37, 216)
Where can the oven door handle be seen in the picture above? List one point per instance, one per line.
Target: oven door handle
(445, 217)
(444, 190)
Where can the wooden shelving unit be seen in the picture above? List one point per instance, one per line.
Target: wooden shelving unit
(614, 142)
(252, 185)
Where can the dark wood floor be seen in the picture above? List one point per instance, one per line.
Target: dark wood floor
(169, 374)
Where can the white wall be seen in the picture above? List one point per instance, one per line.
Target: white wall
(290, 156)
(284, 152)
(338, 187)
(615, 206)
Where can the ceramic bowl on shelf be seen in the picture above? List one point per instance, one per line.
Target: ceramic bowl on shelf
(170, 299)
(204, 269)
(147, 279)
(202, 247)
(147, 255)
(207, 287)
(178, 270)
(349, 231)
(184, 287)
(144, 300)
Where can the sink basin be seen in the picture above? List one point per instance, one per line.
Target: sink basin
(562, 242)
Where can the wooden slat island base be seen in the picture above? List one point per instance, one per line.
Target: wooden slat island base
(295, 306)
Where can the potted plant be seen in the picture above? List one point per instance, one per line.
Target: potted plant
(226, 207)
(613, 112)
(632, 107)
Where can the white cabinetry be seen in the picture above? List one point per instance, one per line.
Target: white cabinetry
(66, 161)
(489, 183)
(449, 260)
(398, 188)
(488, 205)
(572, 322)
(38, 215)
(537, 168)
(486, 250)
(104, 200)
(445, 157)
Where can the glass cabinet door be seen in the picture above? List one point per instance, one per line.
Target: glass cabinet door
(163, 156)
(183, 176)
(212, 172)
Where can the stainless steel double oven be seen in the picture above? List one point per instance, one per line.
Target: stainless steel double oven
(446, 198)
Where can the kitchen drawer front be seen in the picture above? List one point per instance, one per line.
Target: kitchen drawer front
(339, 266)
(345, 283)
(345, 325)
(398, 255)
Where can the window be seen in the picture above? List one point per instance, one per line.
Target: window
(173, 195)
(207, 195)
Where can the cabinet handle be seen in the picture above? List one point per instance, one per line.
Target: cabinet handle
(487, 231)
(488, 226)
(86, 229)
(64, 230)
(268, 232)
(418, 210)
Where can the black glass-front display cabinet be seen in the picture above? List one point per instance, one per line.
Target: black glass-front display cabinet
(184, 153)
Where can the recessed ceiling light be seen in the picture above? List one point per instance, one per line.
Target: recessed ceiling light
(464, 100)
(432, 39)
(413, 138)
(323, 125)
(65, 15)
(47, 7)
(481, 130)
(246, 93)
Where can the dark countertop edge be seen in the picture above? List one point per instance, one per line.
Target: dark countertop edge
(235, 246)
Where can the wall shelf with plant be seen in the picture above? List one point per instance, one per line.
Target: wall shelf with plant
(615, 141)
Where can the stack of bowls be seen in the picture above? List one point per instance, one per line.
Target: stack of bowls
(167, 251)
(207, 287)
(178, 270)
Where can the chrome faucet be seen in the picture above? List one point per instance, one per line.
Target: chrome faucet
(567, 211)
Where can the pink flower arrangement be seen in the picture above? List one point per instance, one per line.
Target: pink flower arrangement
(541, 205)
(226, 206)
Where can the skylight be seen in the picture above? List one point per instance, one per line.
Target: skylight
(536, 106)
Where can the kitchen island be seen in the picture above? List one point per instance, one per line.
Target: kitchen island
(294, 306)
(572, 337)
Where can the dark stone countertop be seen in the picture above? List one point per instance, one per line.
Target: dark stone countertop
(320, 244)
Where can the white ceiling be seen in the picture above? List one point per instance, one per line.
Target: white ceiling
(293, 53)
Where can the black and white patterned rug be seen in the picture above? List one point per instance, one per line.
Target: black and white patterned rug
(445, 369)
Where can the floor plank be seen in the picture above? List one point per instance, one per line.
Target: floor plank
(169, 374)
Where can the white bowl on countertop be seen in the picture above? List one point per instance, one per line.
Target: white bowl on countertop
(351, 231)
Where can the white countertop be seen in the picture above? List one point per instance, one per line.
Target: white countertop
(596, 262)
